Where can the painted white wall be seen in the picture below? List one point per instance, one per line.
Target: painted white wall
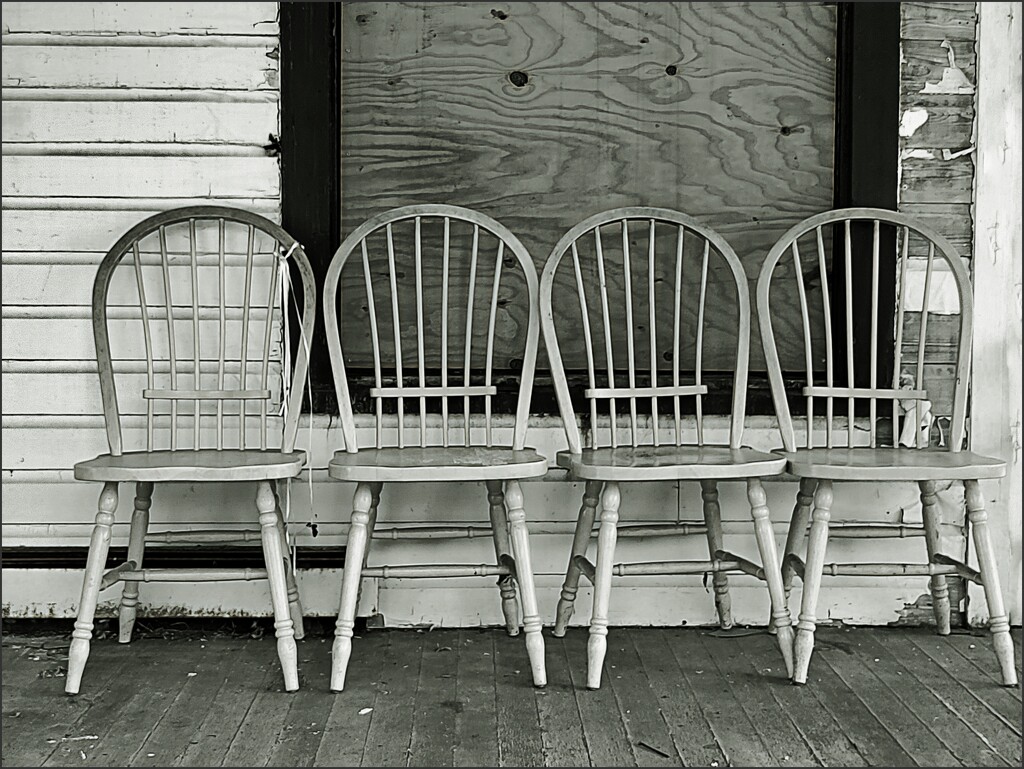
(996, 403)
(113, 111)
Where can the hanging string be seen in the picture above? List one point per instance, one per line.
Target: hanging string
(284, 293)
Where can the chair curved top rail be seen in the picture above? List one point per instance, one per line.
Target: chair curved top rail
(447, 216)
(711, 241)
(897, 390)
(128, 245)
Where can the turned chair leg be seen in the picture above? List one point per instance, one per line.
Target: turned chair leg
(520, 537)
(284, 629)
(371, 524)
(772, 573)
(99, 545)
(597, 646)
(136, 550)
(803, 645)
(580, 542)
(713, 523)
(998, 622)
(796, 535)
(939, 584)
(294, 602)
(358, 534)
(502, 550)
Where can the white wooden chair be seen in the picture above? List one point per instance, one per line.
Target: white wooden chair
(892, 443)
(428, 255)
(188, 321)
(650, 260)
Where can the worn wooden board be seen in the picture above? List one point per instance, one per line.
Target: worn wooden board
(937, 180)
(153, 18)
(429, 110)
(937, 21)
(437, 704)
(92, 225)
(140, 121)
(134, 177)
(92, 66)
(476, 719)
(65, 280)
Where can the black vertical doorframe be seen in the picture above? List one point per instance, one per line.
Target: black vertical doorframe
(867, 171)
(866, 160)
(311, 156)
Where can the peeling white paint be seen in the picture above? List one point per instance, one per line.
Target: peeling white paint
(917, 154)
(912, 120)
(953, 80)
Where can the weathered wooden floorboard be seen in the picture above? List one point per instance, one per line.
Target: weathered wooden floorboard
(648, 732)
(784, 741)
(692, 736)
(858, 674)
(390, 733)
(736, 735)
(248, 673)
(519, 740)
(823, 734)
(259, 731)
(476, 720)
(144, 698)
(603, 730)
(977, 648)
(876, 697)
(962, 702)
(560, 720)
(433, 726)
(303, 729)
(348, 723)
(870, 736)
(166, 744)
(35, 727)
(989, 694)
(932, 711)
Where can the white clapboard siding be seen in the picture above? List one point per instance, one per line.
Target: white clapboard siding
(134, 66)
(56, 282)
(152, 18)
(71, 339)
(79, 393)
(55, 226)
(142, 121)
(154, 177)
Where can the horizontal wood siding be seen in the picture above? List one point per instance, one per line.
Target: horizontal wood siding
(113, 112)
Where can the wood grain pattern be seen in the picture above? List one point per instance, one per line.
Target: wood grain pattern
(937, 21)
(428, 84)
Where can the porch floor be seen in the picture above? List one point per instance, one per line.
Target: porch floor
(687, 696)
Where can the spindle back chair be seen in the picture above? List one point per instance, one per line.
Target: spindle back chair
(190, 311)
(892, 441)
(446, 298)
(666, 271)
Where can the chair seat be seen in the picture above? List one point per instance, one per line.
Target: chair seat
(184, 465)
(889, 464)
(668, 463)
(436, 463)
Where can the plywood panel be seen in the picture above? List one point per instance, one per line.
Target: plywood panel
(635, 104)
(149, 18)
(92, 66)
(139, 121)
(133, 177)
